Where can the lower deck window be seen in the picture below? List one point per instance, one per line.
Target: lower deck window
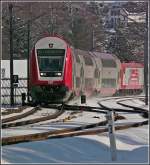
(78, 82)
(108, 83)
(89, 82)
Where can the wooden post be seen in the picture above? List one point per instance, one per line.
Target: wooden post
(111, 129)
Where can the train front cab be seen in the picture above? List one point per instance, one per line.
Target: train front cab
(50, 69)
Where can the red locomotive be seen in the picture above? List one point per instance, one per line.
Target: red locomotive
(132, 77)
(58, 71)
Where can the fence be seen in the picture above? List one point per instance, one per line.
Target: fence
(5, 91)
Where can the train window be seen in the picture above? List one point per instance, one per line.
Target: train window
(50, 60)
(96, 73)
(89, 82)
(88, 60)
(78, 82)
(77, 58)
(108, 83)
(108, 63)
(47, 64)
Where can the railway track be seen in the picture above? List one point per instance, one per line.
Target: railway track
(11, 111)
(59, 111)
(120, 102)
(21, 115)
(133, 109)
(89, 129)
(82, 130)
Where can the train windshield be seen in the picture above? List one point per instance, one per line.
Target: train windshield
(50, 61)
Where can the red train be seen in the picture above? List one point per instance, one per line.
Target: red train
(58, 71)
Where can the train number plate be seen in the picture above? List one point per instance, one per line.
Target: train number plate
(50, 82)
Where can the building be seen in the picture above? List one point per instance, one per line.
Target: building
(136, 17)
(20, 69)
(116, 16)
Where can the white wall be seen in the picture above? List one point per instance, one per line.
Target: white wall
(20, 68)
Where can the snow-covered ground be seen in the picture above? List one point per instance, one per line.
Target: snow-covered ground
(15, 114)
(132, 144)
(39, 113)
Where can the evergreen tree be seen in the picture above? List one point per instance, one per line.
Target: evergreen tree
(119, 46)
(19, 35)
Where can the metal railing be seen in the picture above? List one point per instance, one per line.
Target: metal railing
(20, 88)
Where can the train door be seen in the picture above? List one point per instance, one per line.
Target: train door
(98, 74)
(77, 72)
(73, 70)
(89, 67)
(109, 77)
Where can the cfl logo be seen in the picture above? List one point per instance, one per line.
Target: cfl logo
(51, 45)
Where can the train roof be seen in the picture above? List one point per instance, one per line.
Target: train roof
(104, 55)
(83, 52)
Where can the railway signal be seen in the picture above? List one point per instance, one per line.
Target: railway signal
(15, 84)
(15, 79)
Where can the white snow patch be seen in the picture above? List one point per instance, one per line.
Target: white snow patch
(132, 144)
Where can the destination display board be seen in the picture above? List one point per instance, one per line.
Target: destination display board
(50, 52)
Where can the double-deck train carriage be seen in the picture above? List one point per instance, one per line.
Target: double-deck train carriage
(132, 77)
(109, 75)
(77, 72)
(84, 72)
(50, 69)
(58, 70)
(95, 72)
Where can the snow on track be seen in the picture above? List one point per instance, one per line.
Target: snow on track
(82, 149)
(132, 144)
(15, 114)
(40, 113)
(135, 102)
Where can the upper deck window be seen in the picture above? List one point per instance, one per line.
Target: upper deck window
(88, 60)
(77, 58)
(108, 63)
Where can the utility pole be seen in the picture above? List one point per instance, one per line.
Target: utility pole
(28, 58)
(52, 20)
(71, 14)
(11, 55)
(93, 45)
(146, 58)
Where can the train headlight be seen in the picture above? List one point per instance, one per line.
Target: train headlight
(58, 74)
(43, 74)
